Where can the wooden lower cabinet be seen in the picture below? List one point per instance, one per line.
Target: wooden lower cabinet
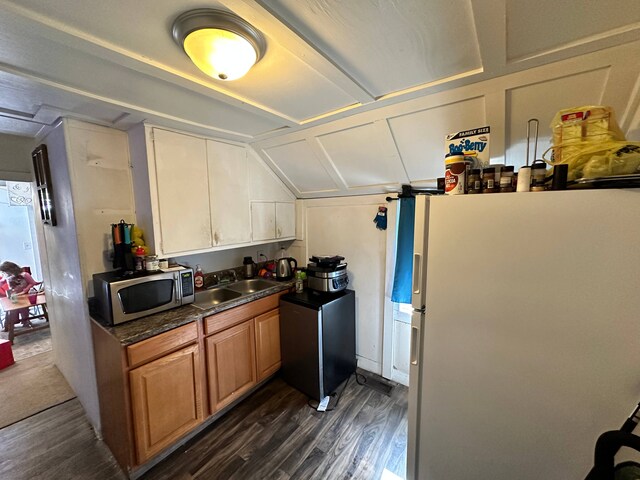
(153, 393)
(268, 359)
(231, 364)
(166, 400)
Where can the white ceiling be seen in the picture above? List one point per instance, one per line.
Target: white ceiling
(115, 62)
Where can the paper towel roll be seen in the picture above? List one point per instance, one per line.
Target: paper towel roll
(524, 179)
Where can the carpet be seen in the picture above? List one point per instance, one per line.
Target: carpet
(34, 343)
(30, 386)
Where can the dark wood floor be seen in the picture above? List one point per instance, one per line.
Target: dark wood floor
(57, 443)
(274, 434)
(271, 435)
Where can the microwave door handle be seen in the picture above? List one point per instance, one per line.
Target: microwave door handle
(176, 289)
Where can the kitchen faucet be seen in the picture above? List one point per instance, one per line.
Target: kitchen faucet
(229, 276)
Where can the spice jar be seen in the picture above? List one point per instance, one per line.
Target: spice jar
(506, 179)
(489, 180)
(474, 184)
(151, 263)
(538, 174)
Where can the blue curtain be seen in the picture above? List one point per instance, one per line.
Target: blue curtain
(401, 292)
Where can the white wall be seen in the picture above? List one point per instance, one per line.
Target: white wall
(70, 335)
(215, 261)
(92, 189)
(403, 142)
(344, 226)
(15, 157)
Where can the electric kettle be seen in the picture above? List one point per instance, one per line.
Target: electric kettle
(284, 268)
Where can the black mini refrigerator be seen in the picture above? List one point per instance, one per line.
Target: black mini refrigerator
(317, 340)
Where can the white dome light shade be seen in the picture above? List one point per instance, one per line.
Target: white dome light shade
(220, 53)
(220, 43)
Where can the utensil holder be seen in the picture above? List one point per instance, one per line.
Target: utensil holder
(122, 255)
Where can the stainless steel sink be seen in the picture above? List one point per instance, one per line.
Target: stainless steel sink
(217, 295)
(252, 285)
(209, 298)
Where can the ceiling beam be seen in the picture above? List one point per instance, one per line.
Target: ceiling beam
(264, 18)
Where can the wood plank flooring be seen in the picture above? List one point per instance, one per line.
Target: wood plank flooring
(273, 434)
(57, 443)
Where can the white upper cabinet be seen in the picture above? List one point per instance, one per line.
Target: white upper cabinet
(182, 192)
(273, 215)
(196, 195)
(273, 221)
(229, 193)
(263, 221)
(264, 185)
(285, 220)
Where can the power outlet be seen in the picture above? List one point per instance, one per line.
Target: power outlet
(259, 255)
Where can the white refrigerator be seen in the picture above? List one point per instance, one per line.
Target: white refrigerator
(525, 333)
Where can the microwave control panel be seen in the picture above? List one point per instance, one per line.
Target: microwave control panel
(187, 283)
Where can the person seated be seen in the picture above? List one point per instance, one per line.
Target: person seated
(18, 282)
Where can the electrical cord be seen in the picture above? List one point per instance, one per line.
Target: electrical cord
(335, 394)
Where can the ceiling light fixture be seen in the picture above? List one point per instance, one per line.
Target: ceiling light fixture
(220, 43)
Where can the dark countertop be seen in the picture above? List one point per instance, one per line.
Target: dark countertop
(147, 327)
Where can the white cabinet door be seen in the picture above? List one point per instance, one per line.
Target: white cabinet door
(183, 192)
(285, 219)
(229, 193)
(263, 220)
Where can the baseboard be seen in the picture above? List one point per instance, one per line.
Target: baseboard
(369, 365)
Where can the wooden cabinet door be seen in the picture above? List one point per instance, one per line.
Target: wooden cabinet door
(231, 365)
(268, 343)
(263, 221)
(229, 193)
(182, 183)
(166, 400)
(285, 220)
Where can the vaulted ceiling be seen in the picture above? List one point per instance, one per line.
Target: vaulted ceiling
(114, 62)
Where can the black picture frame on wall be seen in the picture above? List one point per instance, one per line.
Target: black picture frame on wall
(44, 190)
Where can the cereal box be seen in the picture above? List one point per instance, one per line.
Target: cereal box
(473, 144)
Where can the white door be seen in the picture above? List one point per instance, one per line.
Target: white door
(183, 192)
(285, 220)
(229, 193)
(263, 220)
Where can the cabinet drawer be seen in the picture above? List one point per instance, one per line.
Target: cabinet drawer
(220, 321)
(159, 345)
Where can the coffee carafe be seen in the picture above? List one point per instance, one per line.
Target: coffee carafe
(248, 267)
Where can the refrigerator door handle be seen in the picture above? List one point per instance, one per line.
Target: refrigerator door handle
(415, 335)
(417, 273)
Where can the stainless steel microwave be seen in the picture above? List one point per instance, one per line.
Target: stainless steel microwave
(121, 298)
